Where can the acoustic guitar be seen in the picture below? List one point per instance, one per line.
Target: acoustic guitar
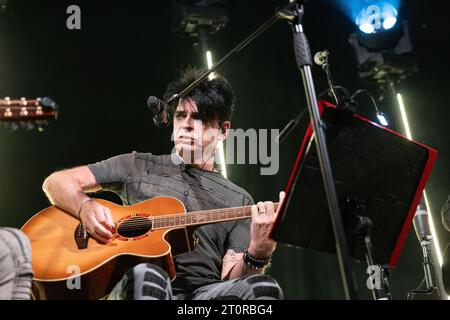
(68, 264)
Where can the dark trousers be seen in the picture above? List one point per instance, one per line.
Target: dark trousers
(150, 282)
(15, 265)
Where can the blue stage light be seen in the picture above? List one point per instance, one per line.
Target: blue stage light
(376, 17)
(389, 23)
(371, 16)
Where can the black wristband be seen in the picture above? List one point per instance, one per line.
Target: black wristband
(255, 263)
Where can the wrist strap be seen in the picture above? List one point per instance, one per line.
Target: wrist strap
(82, 205)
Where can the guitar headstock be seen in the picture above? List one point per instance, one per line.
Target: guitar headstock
(27, 113)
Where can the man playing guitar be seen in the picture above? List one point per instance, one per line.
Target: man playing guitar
(228, 258)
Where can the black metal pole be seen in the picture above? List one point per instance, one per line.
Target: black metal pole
(304, 62)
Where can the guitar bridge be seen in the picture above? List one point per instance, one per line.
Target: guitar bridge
(81, 237)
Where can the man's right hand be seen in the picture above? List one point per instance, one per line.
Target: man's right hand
(97, 221)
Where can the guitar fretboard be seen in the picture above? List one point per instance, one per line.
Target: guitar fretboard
(203, 217)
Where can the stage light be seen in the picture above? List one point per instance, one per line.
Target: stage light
(389, 23)
(404, 116)
(221, 153)
(209, 63)
(376, 17)
(382, 119)
(190, 17)
(384, 55)
(366, 28)
(430, 217)
(381, 42)
(209, 59)
(433, 230)
(378, 27)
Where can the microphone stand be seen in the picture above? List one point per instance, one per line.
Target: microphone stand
(432, 270)
(293, 13)
(381, 289)
(361, 225)
(431, 266)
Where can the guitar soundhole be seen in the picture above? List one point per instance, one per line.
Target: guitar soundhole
(134, 227)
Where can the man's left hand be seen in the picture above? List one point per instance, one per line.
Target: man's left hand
(263, 217)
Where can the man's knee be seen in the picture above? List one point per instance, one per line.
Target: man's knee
(148, 282)
(17, 243)
(151, 272)
(264, 287)
(15, 264)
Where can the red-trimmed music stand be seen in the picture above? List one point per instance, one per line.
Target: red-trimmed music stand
(379, 167)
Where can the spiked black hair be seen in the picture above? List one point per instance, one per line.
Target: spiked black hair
(214, 97)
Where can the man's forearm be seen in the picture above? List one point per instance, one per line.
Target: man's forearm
(64, 192)
(240, 269)
(246, 270)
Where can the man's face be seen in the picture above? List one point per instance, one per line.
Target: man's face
(194, 140)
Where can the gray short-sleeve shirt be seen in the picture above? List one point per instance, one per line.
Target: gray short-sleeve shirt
(136, 177)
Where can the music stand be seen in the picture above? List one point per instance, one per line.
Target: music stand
(377, 168)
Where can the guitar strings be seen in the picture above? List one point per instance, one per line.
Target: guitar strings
(126, 226)
(161, 220)
(144, 222)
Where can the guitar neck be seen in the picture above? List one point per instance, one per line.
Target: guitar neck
(203, 217)
(22, 110)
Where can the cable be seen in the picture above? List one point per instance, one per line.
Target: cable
(414, 292)
(327, 91)
(326, 68)
(290, 126)
(342, 89)
(360, 91)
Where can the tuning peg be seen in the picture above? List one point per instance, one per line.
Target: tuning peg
(48, 103)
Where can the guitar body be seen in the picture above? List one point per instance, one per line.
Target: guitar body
(68, 264)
